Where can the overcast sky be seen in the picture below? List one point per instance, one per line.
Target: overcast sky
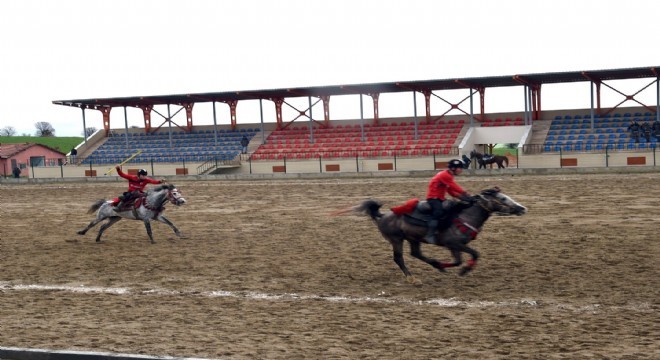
(80, 49)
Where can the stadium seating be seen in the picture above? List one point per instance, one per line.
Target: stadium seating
(609, 131)
(385, 139)
(197, 145)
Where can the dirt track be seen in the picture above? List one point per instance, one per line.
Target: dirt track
(265, 273)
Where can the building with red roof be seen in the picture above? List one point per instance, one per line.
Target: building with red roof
(26, 155)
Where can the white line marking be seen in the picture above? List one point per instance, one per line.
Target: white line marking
(380, 298)
(28, 353)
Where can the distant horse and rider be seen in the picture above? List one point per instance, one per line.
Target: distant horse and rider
(145, 208)
(460, 226)
(483, 160)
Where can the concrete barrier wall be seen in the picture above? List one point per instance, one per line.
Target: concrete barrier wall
(628, 160)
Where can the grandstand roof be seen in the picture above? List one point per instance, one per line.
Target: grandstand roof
(386, 87)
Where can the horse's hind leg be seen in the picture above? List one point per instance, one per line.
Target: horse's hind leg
(165, 220)
(397, 251)
(91, 225)
(110, 222)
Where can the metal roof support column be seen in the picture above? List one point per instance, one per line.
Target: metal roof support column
(84, 124)
(105, 110)
(657, 100)
(169, 123)
(311, 121)
(326, 109)
(189, 122)
(427, 100)
(278, 111)
(146, 113)
(362, 119)
(232, 112)
(126, 126)
(415, 113)
(215, 127)
(591, 91)
(471, 108)
(526, 113)
(536, 102)
(530, 95)
(482, 99)
(261, 112)
(374, 97)
(598, 109)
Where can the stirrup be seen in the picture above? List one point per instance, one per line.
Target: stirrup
(431, 239)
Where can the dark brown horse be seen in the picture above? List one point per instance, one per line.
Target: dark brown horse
(483, 160)
(408, 222)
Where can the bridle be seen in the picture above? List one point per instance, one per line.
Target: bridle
(170, 197)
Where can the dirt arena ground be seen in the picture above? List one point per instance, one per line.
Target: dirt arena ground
(265, 273)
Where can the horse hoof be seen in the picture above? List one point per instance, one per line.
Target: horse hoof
(464, 271)
(80, 232)
(413, 280)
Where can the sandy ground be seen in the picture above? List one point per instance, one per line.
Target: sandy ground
(265, 273)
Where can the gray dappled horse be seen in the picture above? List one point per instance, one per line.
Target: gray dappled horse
(146, 208)
(463, 223)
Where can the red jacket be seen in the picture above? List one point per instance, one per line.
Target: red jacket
(134, 182)
(443, 183)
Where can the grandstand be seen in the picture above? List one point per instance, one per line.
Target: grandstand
(543, 138)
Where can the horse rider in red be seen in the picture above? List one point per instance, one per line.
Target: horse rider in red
(136, 185)
(441, 184)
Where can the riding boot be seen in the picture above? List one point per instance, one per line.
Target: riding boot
(430, 234)
(117, 207)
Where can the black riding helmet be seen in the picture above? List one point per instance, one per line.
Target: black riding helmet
(142, 172)
(454, 164)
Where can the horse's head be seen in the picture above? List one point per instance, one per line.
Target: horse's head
(174, 195)
(495, 201)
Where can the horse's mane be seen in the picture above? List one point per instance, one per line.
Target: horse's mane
(161, 188)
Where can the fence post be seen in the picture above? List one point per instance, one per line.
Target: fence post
(320, 164)
(561, 158)
(434, 160)
(394, 162)
(607, 156)
(357, 162)
(284, 158)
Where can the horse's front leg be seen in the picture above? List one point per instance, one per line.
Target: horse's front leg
(456, 252)
(166, 221)
(110, 222)
(416, 251)
(147, 225)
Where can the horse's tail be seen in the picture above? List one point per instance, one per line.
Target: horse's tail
(506, 161)
(95, 206)
(367, 207)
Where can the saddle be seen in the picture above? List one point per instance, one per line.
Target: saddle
(418, 212)
(131, 204)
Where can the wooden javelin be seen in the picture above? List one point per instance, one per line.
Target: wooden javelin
(123, 162)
